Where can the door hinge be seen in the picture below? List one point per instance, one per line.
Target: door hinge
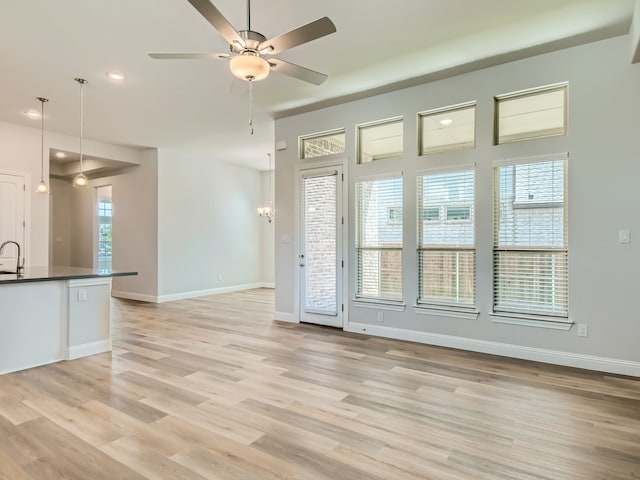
(342, 263)
(342, 307)
(24, 224)
(343, 177)
(342, 220)
(24, 187)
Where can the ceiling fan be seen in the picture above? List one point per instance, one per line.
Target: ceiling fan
(250, 57)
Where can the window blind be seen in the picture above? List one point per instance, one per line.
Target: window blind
(530, 238)
(446, 238)
(379, 239)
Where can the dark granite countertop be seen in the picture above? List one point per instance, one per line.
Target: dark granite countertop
(48, 274)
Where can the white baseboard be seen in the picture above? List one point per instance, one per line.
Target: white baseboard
(86, 349)
(134, 296)
(183, 295)
(589, 362)
(210, 291)
(285, 317)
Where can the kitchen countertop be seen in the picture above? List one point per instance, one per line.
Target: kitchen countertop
(48, 274)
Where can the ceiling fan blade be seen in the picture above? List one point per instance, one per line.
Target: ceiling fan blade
(306, 33)
(215, 18)
(296, 71)
(187, 56)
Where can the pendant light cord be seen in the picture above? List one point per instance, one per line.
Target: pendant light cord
(42, 100)
(81, 119)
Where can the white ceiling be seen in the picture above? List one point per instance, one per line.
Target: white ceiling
(186, 105)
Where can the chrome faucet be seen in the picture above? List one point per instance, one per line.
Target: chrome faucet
(18, 265)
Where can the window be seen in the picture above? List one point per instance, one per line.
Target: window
(530, 240)
(105, 236)
(446, 245)
(431, 214)
(327, 143)
(458, 214)
(378, 239)
(380, 140)
(530, 114)
(449, 128)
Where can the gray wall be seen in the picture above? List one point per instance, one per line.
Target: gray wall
(603, 122)
(209, 232)
(267, 230)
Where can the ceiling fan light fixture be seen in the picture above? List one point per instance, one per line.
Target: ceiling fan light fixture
(249, 67)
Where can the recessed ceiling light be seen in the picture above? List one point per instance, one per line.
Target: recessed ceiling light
(116, 76)
(446, 121)
(60, 154)
(32, 114)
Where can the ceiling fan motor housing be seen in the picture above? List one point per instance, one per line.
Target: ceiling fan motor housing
(251, 39)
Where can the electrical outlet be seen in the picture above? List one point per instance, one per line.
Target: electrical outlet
(380, 317)
(583, 330)
(82, 295)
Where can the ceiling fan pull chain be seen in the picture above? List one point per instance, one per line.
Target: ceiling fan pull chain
(250, 107)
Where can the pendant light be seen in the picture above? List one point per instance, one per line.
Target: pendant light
(268, 212)
(42, 186)
(80, 180)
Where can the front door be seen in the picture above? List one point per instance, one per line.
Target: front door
(320, 256)
(12, 219)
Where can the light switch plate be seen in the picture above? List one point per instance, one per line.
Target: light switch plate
(623, 236)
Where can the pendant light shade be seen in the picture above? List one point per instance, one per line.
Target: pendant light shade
(42, 185)
(80, 180)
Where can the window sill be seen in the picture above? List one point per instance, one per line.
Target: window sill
(463, 313)
(379, 305)
(552, 323)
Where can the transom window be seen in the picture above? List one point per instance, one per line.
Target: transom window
(535, 113)
(318, 145)
(380, 140)
(449, 128)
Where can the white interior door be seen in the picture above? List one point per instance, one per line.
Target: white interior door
(320, 256)
(12, 220)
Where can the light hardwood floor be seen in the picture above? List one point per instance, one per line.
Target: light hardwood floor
(212, 388)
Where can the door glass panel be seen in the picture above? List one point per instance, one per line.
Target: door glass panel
(320, 244)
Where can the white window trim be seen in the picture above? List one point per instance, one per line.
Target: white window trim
(540, 321)
(505, 162)
(446, 311)
(380, 304)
